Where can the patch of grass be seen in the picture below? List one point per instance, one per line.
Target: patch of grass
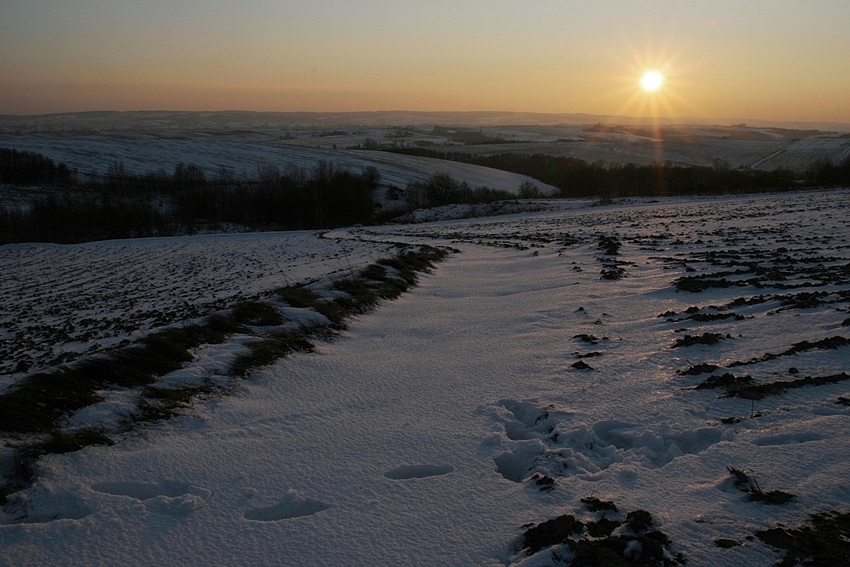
(155, 357)
(760, 391)
(610, 244)
(612, 273)
(697, 284)
(256, 313)
(151, 412)
(728, 381)
(704, 339)
(375, 272)
(159, 404)
(829, 343)
(594, 504)
(695, 369)
(215, 331)
(38, 402)
(219, 328)
(543, 482)
(734, 420)
(26, 456)
(592, 354)
(804, 300)
(825, 542)
(590, 339)
(102, 371)
(270, 349)
(22, 473)
(551, 532)
(69, 442)
(704, 317)
(411, 262)
(334, 312)
(386, 286)
(361, 297)
(362, 293)
(404, 269)
(748, 483)
(595, 544)
(603, 527)
(298, 296)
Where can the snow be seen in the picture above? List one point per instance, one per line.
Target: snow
(246, 155)
(76, 299)
(412, 439)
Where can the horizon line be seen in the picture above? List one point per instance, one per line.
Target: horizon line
(591, 117)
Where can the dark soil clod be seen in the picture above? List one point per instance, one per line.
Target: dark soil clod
(748, 483)
(704, 339)
(551, 532)
(595, 544)
(825, 542)
(728, 381)
(543, 482)
(594, 504)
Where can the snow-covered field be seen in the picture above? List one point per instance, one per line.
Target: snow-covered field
(245, 156)
(243, 143)
(61, 301)
(531, 370)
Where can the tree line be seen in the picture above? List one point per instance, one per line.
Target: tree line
(29, 168)
(577, 178)
(443, 189)
(122, 204)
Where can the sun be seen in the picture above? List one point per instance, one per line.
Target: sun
(651, 81)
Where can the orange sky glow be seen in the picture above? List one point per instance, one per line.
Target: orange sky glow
(768, 60)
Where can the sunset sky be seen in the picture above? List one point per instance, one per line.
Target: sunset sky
(759, 59)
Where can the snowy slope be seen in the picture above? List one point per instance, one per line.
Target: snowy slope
(414, 438)
(246, 155)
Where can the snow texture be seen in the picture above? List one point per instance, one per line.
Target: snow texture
(414, 438)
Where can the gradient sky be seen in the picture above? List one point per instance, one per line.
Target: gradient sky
(759, 59)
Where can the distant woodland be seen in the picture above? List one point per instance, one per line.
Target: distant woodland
(122, 204)
(577, 178)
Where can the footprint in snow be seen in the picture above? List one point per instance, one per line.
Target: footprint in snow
(548, 441)
(292, 506)
(166, 497)
(418, 471)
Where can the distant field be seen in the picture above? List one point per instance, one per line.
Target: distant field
(245, 155)
(242, 144)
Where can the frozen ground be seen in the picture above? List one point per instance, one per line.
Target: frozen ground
(424, 435)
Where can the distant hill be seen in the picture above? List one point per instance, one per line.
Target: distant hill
(154, 120)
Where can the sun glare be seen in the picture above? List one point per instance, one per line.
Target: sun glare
(651, 81)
